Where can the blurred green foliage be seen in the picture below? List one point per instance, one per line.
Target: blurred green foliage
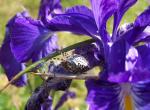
(15, 98)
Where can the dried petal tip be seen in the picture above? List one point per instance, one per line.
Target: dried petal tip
(64, 98)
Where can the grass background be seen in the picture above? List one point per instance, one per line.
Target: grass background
(15, 98)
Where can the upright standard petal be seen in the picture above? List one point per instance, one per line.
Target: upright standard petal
(117, 56)
(104, 95)
(78, 19)
(103, 10)
(141, 95)
(27, 36)
(11, 66)
(47, 8)
(124, 5)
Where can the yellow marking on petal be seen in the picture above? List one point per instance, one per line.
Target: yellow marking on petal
(128, 103)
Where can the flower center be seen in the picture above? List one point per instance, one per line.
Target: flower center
(126, 91)
(128, 103)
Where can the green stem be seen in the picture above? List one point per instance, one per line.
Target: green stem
(29, 85)
(29, 68)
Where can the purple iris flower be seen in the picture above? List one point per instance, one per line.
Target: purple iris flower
(28, 38)
(126, 69)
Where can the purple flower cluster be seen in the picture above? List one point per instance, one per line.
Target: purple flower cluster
(125, 53)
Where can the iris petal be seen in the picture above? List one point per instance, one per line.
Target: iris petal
(116, 59)
(38, 103)
(77, 19)
(144, 52)
(47, 7)
(10, 64)
(131, 67)
(104, 95)
(133, 76)
(124, 5)
(103, 10)
(48, 47)
(144, 36)
(141, 22)
(27, 36)
(137, 66)
(80, 10)
(141, 93)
